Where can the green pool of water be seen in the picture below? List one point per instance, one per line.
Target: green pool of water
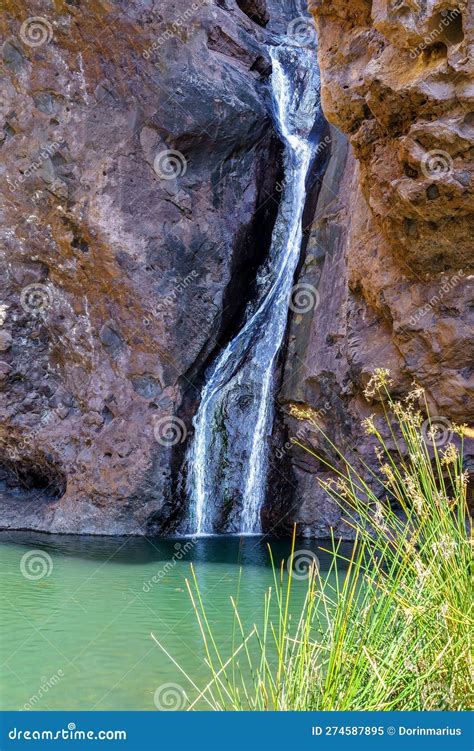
(77, 614)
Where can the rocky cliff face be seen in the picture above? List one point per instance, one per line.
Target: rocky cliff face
(140, 184)
(391, 248)
(139, 174)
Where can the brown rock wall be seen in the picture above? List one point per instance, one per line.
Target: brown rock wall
(391, 248)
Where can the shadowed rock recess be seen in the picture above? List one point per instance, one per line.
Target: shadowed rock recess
(140, 183)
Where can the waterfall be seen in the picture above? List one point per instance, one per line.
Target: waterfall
(227, 460)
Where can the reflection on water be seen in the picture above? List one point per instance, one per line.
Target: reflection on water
(77, 613)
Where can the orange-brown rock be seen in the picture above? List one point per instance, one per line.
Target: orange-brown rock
(391, 247)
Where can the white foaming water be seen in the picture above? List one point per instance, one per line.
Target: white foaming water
(227, 460)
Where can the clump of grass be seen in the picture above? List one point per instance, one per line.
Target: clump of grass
(395, 630)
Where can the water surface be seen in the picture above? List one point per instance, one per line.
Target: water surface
(77, 614)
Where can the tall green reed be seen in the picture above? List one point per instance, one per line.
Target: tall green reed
(393, 630)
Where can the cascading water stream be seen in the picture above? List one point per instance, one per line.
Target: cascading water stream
(227, 459)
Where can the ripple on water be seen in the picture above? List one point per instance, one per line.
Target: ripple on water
(79, 636)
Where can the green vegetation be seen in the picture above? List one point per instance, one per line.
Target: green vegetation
(395, 631)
